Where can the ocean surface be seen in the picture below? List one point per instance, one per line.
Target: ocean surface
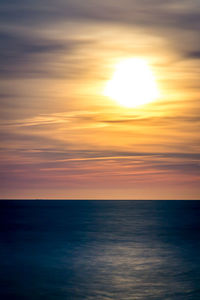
(100, 250)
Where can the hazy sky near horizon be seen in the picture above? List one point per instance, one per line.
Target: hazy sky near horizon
(61, 137)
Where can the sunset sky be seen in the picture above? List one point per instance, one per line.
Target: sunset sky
(61, 136)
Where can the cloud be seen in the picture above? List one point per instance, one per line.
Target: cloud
(149, 14)
(25, 52)
(47, 168)
(193, 54)
(139, 12)
(154, 121)
(22, 55)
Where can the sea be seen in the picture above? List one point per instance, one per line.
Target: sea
(99, 250)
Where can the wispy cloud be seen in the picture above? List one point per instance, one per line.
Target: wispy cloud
(22, 55)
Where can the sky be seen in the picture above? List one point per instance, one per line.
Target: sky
(61, 137)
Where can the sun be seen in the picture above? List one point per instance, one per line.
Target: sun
(133, 83)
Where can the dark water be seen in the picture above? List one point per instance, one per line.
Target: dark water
(77, 250)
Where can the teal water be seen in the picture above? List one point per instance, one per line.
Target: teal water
(100, 250)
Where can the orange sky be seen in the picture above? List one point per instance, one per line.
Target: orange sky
(61, 137)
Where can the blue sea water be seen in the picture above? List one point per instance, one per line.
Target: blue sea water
(100, 250)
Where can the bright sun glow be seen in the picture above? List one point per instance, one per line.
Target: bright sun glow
(133, 83)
